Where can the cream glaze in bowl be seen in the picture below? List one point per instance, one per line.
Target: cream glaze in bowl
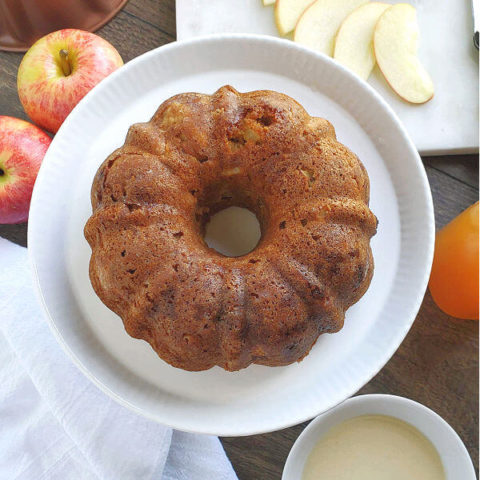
(455, 458)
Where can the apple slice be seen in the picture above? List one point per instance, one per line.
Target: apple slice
(268, 2)
(318, 25)
(287, 13)
(395, 42)
(354, 40)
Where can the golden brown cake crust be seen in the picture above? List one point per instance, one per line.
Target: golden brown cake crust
(152, 198)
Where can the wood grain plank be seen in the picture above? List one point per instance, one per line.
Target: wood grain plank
(161, 14)
(450, 196)
(459, 167)
(15, 233)
(132, 36)
(9, 101)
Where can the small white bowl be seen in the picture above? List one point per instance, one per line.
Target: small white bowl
(455, 458)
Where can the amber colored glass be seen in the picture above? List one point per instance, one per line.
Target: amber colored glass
(454, 278)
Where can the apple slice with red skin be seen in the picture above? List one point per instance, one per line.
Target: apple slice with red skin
(395, 42)
(22, 148)
(59, 70)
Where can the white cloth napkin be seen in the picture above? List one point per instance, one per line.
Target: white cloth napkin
(55, 424)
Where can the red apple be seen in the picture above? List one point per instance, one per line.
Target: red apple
(59, 70)
(22, 148)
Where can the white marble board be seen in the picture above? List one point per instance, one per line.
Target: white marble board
(448, 124)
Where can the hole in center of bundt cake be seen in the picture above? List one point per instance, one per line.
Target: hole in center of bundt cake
(233, 231)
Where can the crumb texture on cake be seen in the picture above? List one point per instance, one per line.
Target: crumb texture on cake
(199, 154)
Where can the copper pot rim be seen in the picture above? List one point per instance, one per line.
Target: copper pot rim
(90, 28)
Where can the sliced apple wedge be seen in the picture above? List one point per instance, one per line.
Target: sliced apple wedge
(287, 13)
(319, 23)
(354, 40)
(395, 42)
(268, 2)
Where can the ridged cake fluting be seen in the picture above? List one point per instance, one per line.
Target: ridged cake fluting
(199, 154)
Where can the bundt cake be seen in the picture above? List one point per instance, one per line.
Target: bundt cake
(199, 154)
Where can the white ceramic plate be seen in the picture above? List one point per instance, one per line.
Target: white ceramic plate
(455, 458)
(257, 399)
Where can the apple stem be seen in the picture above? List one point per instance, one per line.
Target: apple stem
(2, 172)
(64, 63)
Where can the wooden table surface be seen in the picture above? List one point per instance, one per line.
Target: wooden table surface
(436, 365)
